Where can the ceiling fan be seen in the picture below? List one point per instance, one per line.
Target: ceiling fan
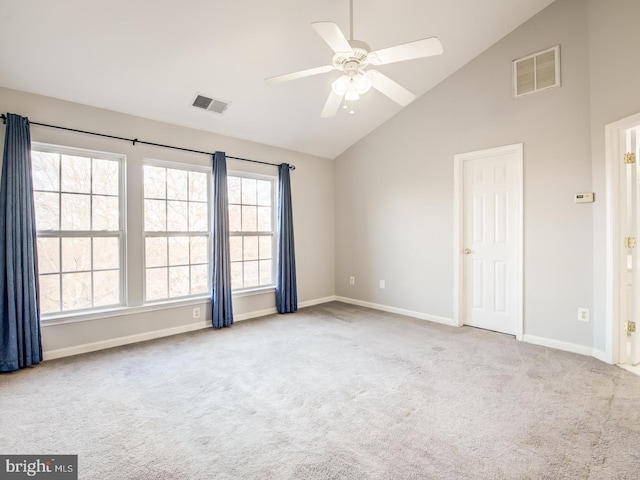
(351, 57)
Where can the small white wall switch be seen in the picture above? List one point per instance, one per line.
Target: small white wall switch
(583, 314)
(382, 285)
(584, 197)
(196, 312)
(352, 280)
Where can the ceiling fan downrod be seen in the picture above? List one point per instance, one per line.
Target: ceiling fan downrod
(350, 19)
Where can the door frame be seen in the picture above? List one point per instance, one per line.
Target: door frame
(458, 229)
(615, 280)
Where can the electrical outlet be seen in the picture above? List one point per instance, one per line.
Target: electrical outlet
(196, 312)
(352, 280)
(583, 314)
(382, 284)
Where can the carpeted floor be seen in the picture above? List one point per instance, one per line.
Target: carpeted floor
(331, 392)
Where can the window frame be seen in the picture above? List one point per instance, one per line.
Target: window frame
(187, 167)
(273, 233)
(121, 233)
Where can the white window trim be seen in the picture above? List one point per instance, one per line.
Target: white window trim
(122, 233)
(144, 234)
(241, 292)
(77, 316)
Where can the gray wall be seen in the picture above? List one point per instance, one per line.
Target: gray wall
(394, 189)
(313, 219)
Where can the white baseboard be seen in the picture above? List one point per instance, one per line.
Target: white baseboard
(141, 337)
(558, 345)
(400, 311)
(602, 356)
(249, 315)
(317, 301)
(272, 311)
(545, 342)
(118, 341)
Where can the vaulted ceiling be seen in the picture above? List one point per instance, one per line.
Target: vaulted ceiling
(150, 58)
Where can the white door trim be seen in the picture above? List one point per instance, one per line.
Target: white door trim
(614, 277)
(458, 230)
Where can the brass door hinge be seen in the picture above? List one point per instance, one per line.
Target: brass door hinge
(630, 242)
(629, 326)
(629, 158)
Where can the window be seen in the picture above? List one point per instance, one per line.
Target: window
(252, 236)
(79, 221)
(177, 226)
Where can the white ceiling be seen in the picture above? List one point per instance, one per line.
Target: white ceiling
(150, 57)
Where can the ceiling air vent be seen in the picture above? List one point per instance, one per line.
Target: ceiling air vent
(211, 104)
(536, 72)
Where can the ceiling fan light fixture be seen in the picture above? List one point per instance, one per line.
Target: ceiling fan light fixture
(352, 96)
(364, 83)
(352, 92)
(340, 85)
(351, 87)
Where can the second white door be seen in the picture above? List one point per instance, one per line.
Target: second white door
(491, 239)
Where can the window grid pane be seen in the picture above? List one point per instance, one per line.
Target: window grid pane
(251, 224)
(78, 219)
(176, 219)
(106, 287)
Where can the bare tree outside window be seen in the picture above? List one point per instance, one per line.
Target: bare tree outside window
(177, 232)
(80, 229)
(252, 235)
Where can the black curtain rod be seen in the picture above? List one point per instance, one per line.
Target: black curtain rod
(142, 142)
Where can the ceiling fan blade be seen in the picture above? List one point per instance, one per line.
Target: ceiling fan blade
(426, 47)
(301, 74)
(331, 33)
(332, 105)
(391, 89)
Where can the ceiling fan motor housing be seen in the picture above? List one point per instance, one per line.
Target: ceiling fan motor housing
(352, 62)
(351, 67)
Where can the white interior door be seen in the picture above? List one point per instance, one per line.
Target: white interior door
(491, 239)
(629, 336)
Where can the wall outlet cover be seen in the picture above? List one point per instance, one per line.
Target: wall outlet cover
(583, 314)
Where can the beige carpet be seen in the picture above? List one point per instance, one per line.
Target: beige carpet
(331, 392)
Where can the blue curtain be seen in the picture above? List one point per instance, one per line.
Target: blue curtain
(221, 305)
(286, 289)
(21, 344)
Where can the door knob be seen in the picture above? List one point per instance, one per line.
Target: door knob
(467, 251)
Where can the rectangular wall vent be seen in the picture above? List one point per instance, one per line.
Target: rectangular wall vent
(536, 72)
(211, 104)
